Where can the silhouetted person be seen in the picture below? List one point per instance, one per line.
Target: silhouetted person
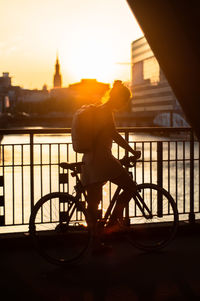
(100, 165)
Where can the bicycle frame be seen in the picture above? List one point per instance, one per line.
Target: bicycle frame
(136, 196)
(142, 205)
(111, 205)
(67, 229)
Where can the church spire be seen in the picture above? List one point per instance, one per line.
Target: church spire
(57, 82)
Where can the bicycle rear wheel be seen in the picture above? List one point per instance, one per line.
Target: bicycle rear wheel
(157, 229)
(58, 225)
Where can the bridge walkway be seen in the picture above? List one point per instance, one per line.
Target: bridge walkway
(123, 273)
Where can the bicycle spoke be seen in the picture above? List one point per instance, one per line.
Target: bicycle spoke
(155, 230)
(59, 236)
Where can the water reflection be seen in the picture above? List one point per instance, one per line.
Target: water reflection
(49, 150)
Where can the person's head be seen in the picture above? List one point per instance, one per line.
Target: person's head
(119, 96)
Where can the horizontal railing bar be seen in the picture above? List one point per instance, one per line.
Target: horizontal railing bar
(139, 161)
(68, 130)
(70, 143)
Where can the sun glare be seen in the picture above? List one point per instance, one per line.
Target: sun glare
(91, 59)
(91, 37)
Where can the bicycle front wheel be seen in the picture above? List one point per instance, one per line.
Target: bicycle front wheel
(58, 226)
(158, 226)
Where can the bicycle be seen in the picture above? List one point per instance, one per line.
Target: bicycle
(61, 228)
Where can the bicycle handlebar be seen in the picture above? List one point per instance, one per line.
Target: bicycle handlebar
(130, 161)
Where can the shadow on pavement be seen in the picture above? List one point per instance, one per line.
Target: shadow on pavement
(123, 273)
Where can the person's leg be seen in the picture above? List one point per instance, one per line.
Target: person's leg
(94, 196)
(128, 185)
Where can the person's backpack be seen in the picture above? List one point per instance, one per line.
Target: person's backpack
(83, 129)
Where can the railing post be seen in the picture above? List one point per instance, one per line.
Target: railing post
(191, 214)
(31, 171)
(159, 163)
(127, 219)
(159, 176)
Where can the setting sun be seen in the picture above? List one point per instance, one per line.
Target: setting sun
(91, 59)
(90, 36)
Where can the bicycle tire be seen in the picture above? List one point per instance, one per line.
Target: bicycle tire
(156, 231)
(60, 238)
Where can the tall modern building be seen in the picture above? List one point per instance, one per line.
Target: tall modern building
(154, 102)
(57, 81)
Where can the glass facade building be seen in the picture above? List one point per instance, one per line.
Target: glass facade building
(154, 102)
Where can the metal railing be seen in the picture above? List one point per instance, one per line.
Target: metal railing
(29, 168)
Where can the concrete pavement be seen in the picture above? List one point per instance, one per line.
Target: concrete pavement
(124, 273)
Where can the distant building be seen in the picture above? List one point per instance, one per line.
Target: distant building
(57, 80)
(5, 80)
(33, 95)
(8, 93)
(154, 102)
(88, 91)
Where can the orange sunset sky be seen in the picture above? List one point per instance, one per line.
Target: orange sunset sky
(91, 37)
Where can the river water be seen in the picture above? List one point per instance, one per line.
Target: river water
(51, 149)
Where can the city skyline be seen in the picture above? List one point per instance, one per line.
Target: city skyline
(91, 38)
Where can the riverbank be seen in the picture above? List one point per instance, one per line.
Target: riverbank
(64, 121)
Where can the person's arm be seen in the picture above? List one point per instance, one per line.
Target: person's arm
(123, 143)
(119, 139)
